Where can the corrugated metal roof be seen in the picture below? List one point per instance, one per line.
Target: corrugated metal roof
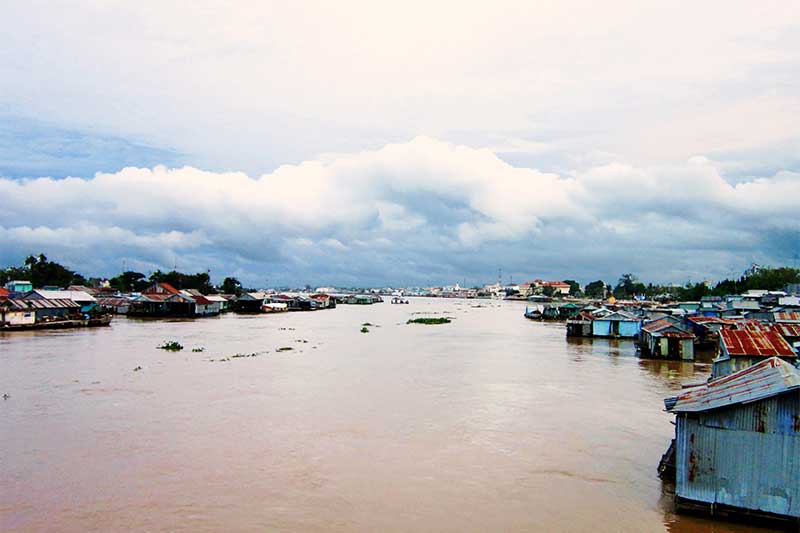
(663, 326)
(75, 296)
(787, 317)
(768, 378)
(41, 303)
(710, 320)
(741, 342)
(115, 302)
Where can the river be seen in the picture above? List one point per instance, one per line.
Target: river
(489, 423)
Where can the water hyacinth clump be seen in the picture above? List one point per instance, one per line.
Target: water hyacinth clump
(171, 346)
(429, 321)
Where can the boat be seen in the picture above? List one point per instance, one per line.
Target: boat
(533, 314)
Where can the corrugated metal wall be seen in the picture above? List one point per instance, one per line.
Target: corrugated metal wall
(747, 456)
(629, 329)
(601, 328)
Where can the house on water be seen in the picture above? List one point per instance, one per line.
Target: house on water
(666, 339)
(580, 325)
(162, 300)
(743, 348)
(617, 324)
(737, 443)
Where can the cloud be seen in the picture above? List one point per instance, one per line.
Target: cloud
(251, 87)
(416, 212)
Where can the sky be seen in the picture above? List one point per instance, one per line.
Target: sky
(414, 143)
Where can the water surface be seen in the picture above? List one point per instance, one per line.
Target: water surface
(490, 423)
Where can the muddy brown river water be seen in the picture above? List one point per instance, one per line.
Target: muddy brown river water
(490, 423)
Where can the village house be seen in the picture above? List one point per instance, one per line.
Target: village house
(161, 300)
(666, 339)
(616, 324)
(737, 442)
(81, 298)
(743, 348)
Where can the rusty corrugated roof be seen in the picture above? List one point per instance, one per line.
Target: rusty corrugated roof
(41, 303)
(763, 380)
(787, 317)
(744, 342)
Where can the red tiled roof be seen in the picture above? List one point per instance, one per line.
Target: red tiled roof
(749, 342)
(4, 291)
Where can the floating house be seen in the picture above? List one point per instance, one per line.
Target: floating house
(617, 324)
(742, 348)
(737, 443)
(706, 328)
(666, 339)
(114, 305)
(79, 297)
(580, 325)
(26, 311)
(224, 303)
(16, 313)
(162, 300)
(250, 302)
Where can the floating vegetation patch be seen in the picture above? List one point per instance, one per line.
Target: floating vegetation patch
(367, 324)
(137, 369)
(364, 329)
(200, 349)
(171, 346)
(243, 355)
(285, 348)
(301, 340)
(429, 321)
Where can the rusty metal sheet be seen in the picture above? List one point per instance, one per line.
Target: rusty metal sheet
(742, 342)
(766, 379)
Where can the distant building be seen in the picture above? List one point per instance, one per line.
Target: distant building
(19, 286)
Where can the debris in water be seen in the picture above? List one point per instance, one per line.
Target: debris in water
(200, 349)
(364, 330)
(285, 348)
(6, 396)
(137, 369)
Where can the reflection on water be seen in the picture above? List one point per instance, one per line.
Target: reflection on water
(492, 422)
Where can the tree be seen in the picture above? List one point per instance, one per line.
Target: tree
(574, 287)
(628, 286)
(596, 289)
(42, 272)
(231, 286)
(129, 281)
(200, 281)
(548, 291)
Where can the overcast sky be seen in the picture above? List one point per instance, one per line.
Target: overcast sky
(420, 142)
